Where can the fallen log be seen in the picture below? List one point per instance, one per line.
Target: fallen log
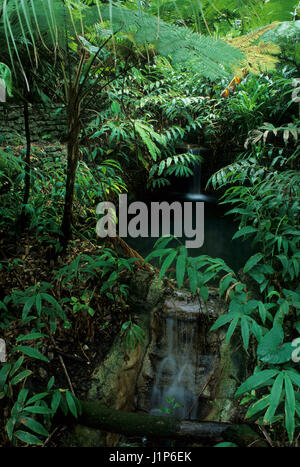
(95, 415)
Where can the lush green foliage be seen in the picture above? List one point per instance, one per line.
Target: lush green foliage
(133, 111)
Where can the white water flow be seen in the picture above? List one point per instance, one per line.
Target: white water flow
(176, 372)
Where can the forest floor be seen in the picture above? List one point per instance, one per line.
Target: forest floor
(73, 352)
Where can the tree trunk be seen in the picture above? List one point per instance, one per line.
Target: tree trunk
(103, 418)
(73, 113)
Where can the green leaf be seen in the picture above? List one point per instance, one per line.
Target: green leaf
(245, 332)
(16, 379)
(16, 366)
(204, 293)
(50, 383)
(222, 320)
(31, 352)
(271, 349)
(260, 379)
(37, 397)
(180, 270)
(258, 406)
(255, 259)
(274, 398)
(295, 377)
(27, 307)
(167, 263)
(290, 406)
(3, 374)
(30, 337)
(158, 253)
(38, 303)
(226, 444)
(10, 428)
(34, 426)
(28, 438)
(71, 403)
(262, 311)
(22, 396)
(193, 277)
(244, 231)
(232, 328)
(38, 409)
(56, 398)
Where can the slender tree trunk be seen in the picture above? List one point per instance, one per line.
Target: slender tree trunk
(27, 165)
(73, 113)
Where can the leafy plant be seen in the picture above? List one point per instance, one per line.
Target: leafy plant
(172, 406)
(132, 333)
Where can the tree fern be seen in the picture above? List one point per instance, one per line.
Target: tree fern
(185, 48)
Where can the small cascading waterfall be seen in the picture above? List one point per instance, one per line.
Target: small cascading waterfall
(194, 188)
(176, 373)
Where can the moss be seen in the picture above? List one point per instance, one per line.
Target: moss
(83, 436)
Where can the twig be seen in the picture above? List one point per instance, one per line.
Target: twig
(63, 366)
(50, 436)
(264, 432)
(199, 395)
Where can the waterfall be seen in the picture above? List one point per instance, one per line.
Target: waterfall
(176, 375)
(194, 188)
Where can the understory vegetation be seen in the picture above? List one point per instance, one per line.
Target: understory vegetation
(135, 88)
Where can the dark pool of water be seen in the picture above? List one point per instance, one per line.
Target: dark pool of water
(218, 231)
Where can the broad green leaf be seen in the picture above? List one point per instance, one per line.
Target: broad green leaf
(71, 403)
(30, 337)
(260, 379)
(245, 332)
(204, 293)
(167, 263)
(253, 261)
(50, 383)
(16, 379)
(271, 349)
(27, 307)
(3, 374)
(244, 231)
(222, 320)
(258, 406)
(193, 277)
(10, 428)
(16, 366)
(232, 328)
(28, 438)
(180, 270)
(34, 426)
(38, 409)
(22, 397)
(262, 312)
(290, 407)
(226, 444)
(56, 398)
(158, 253)
(274, 398)
(295, 377)
(37, 397)
(31, 352)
